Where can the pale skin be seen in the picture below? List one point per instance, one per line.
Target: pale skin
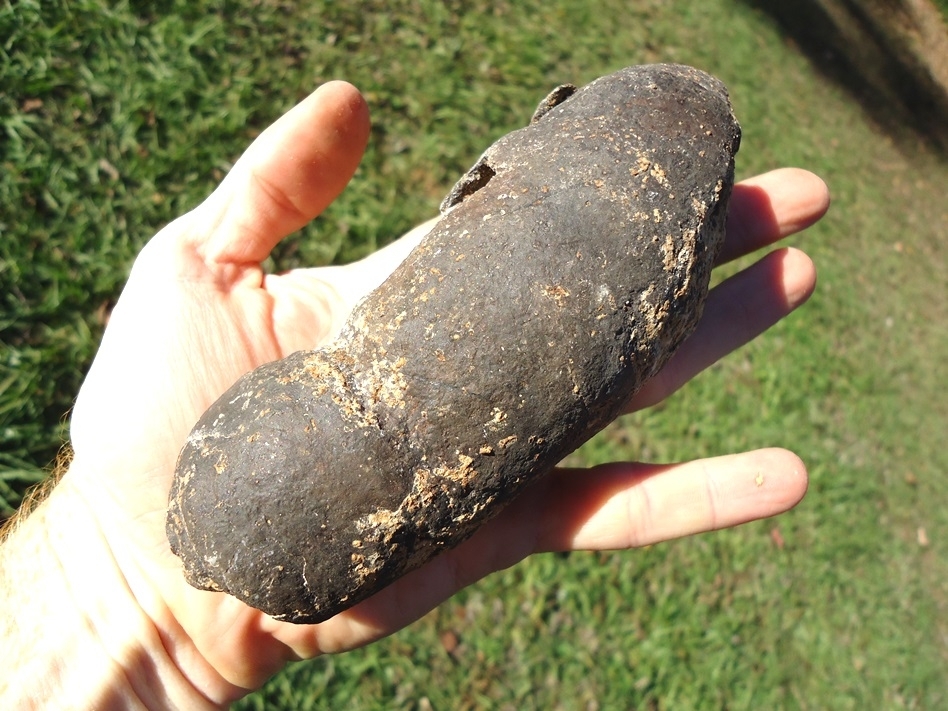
(96, 611)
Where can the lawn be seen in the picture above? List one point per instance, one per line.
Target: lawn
(116, 117)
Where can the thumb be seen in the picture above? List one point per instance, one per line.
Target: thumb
(287, 177)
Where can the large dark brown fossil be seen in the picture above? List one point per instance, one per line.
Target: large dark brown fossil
(570, 263)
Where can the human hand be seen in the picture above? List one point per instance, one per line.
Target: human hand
(199, 311)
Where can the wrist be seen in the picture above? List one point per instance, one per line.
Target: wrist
(74, 634)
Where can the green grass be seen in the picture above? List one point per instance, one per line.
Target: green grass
(118, 116)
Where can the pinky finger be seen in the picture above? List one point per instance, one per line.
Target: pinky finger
(608, 507)
(629, 505)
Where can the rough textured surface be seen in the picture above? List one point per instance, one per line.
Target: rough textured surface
(570, 263)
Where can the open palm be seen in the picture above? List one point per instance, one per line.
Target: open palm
(199, 311)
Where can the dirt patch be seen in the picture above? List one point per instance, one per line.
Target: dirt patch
(891, 54)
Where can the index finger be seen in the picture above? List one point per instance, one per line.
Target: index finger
(771, 206)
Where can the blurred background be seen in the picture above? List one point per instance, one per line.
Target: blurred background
(115, 117)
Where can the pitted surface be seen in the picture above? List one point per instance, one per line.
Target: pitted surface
(570, 263)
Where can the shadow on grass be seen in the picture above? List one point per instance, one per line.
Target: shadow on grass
(892, 61)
